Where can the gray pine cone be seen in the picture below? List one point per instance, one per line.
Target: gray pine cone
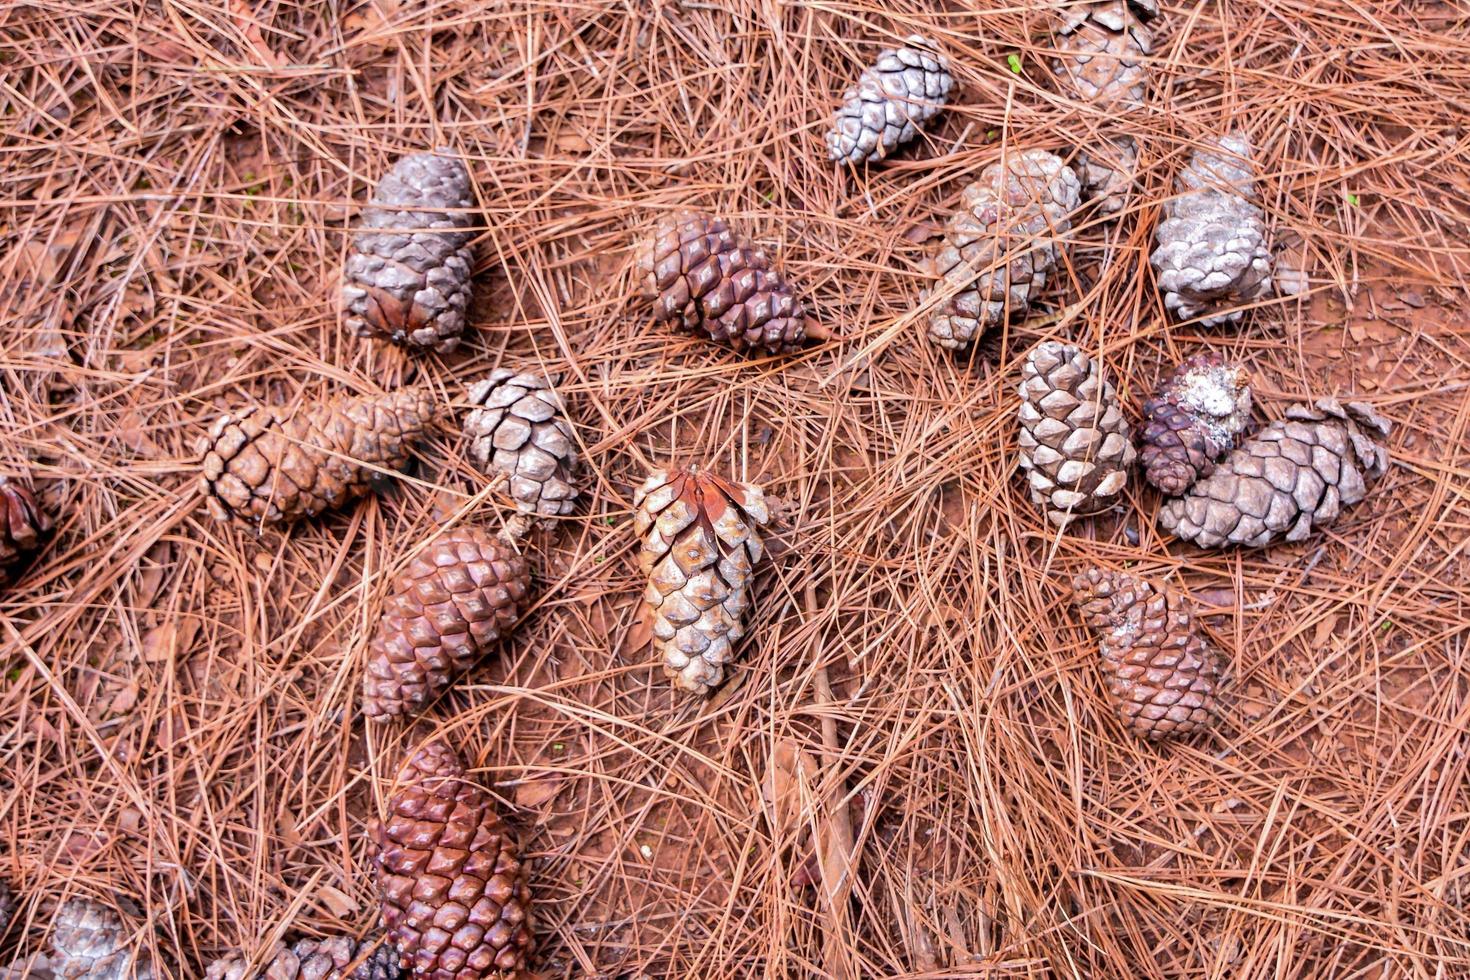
(7, 906)
(1001, 245)
(520, 434)
(1108, 172)
(312, 959)
(1074, 441)
(1103, 51)
(1211, 249)
(89, 941)
(892, 100)
(408, 276)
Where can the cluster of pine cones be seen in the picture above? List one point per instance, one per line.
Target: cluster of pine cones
(455, 895)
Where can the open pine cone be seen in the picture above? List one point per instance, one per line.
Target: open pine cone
(407, 278)
(520, 434)
(455, 896)
(312, 959)
(1074, 440)
(89, 941)
(23, 526)
(265, 466)
(701, 543)
(1108, 172)
(1161, 673)
(1002, 244)
(891, 102)
(1103, 51)
(1295, 474)
(1197, 413)
(457, 596)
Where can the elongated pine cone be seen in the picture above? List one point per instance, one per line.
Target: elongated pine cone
(89, 941)
(312, 959)
(1000, 247)
(1075, 444)
(457, 596)
(520, 433)
(891, 102)
(408, 276)
(1295, 474)
(264, 466)
(1108, 172)
(700, 274)
(1103, 51)
(23, 526)
(1211, 253)
(1197, 414)
(701, 543)
(1160, 671)
(455, 896)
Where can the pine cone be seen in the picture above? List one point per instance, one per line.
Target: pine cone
(1075, 445)
(700, 546)
(457, 596)
(1161, 673)
(263, 466)
(455, 896)
(7, 906)
(1197, 413)
(891, 102)
(1001, 245)
(521, 434)
(408, 276)
(312, 959)
(1212, 242)
(698, 272)
(1103, 52)
(23, 526)
(90, 942)
(1293, 475)
(1108, 173)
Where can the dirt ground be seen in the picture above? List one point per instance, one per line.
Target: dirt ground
(913, 771)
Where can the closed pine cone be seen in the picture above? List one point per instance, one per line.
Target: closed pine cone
(891, 102)
(457, 596)
(89, 941)
(520, 433)
(1103, 51)
(1160, 671)
(1197, 414)
(1211, 255)
(23, 526)
(408, 276)
(1292, 476)
(700, 274)
(312, 959)
(701, 543)
(265, 466)
(1074, 441)
(1108, 172)
(1002, 244)
(455, 896)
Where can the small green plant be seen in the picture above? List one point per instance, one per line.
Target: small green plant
(1014, 61)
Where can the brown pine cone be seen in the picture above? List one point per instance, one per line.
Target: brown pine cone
(408, 276)
(457, 596)
(1001, 246)
(89, 941)
(700, 545)
(312, 959)
(266, 467)
(455, 895)
(1293, 475)
(1074, 441)
(1108, 172)
(700, 274)
(1103, 52)
(904, 89)
(1161, 673)
(1197, 413)
(520, 434)
(23, 526)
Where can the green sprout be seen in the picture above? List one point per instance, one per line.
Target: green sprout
(1353, 199)
(1014, 60)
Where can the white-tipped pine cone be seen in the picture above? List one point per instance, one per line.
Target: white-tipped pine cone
(1197, 414)
(1001, 245)
(312, 959)
(1075, 445)
(892, 100)
(1103, 51)
(407, 278)
(1295, 474)
(1108, 172)
(89, 941)
(1211, 255)
(701, 543)
(520, 433)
